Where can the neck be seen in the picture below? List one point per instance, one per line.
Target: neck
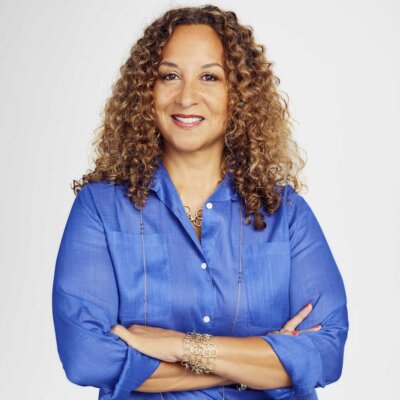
(194, 174)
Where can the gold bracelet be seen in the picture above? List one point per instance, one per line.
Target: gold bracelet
(199, 352)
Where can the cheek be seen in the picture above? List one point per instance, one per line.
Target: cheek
(220, 102)
(162, 98)
(216, 102)
(220, 105)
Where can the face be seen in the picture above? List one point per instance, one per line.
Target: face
(191, 91)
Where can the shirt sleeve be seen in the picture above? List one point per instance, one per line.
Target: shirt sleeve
(85, 308)
(312, 359)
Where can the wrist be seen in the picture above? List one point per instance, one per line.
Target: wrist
(199, 352)
(179, 347)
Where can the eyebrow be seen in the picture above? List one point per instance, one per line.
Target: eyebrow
(171, 64)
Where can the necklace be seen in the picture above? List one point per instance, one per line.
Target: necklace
(196, 220)
(239, 281)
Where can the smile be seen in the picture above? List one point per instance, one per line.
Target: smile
(186, 122)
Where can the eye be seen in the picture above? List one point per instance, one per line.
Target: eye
(214, 77)
(169, 77)
(165, 76)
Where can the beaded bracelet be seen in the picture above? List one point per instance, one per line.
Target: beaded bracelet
(199, 352)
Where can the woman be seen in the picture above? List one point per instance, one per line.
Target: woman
(164, 286)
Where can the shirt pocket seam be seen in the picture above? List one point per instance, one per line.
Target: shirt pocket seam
(130, 268)
(267, 288)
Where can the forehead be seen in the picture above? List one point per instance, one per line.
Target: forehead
(194, 41)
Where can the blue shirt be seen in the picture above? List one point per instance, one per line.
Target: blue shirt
(192, 285)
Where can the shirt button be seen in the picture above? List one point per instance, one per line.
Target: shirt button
(209, 205)
(203, 265)
(206, 318)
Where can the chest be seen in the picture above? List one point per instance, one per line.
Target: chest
(194, 210)
(197, 230)
(169, 280)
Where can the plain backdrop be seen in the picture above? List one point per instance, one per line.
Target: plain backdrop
(338, 62)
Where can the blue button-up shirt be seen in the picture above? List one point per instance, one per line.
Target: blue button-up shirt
(193, 285)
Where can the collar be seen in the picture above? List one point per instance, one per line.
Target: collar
(166, 191)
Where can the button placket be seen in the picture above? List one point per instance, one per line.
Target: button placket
(204, 265)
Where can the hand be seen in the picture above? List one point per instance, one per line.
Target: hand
(290, 326)
(163, 344)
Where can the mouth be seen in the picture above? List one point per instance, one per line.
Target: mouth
(187, 121)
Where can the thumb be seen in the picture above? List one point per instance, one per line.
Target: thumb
(122, 332)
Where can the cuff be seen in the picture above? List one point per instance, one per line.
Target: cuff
(138, 368)
(289, 394)
(301, 359)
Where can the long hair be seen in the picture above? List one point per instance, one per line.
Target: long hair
(259, 148)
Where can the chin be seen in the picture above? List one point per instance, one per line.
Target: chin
(182, 145)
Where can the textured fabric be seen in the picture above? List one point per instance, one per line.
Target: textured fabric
(192, 285)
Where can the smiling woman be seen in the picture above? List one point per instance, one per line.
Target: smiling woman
(195, 81)
(190, 265)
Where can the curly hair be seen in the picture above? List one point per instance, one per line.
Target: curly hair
(259, 149)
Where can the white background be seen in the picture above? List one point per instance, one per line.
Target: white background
(339, 63)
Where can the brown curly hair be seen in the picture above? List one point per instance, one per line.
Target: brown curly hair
(259, 149)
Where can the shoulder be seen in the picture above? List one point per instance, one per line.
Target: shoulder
(100, 194)
(100, 188)
(102, 201)
(289, 195)
(293, 201)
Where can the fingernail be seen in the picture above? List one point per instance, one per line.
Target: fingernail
(317, 326)
(294, 333)
(308, 305)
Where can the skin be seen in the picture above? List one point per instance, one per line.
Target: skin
(249, 360)
(193, 159)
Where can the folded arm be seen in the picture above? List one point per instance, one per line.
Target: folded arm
(248, 360)
(312, 359)
(85, 307)
(170, 377)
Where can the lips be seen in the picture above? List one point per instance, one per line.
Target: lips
(187, 120)
(187, 116)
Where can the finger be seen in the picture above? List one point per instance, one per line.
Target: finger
(288, 332)
(122, 332)
(144, 328)
(137, 328)
(314, 328)
(298, 318)
(284, 332)
(148, 330)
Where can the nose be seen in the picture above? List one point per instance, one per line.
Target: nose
(187, 94)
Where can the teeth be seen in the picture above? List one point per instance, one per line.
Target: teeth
(187, 120)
